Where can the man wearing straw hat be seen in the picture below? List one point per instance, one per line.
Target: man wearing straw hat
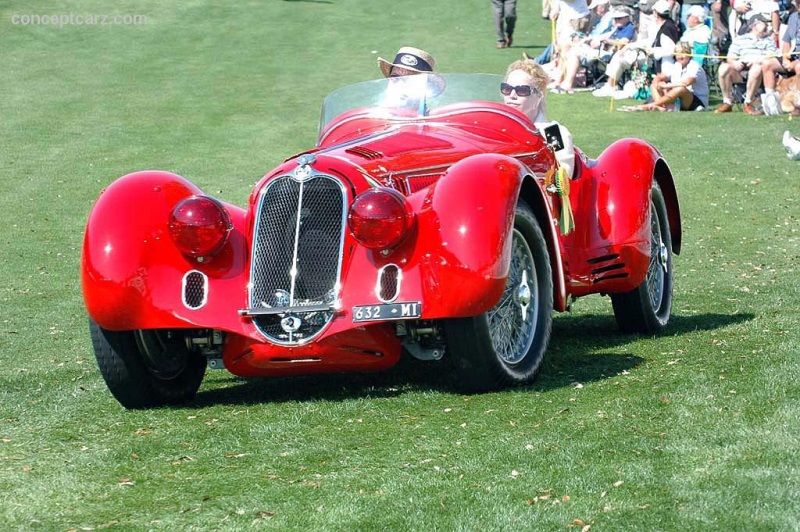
(407, 61)
(406, 88)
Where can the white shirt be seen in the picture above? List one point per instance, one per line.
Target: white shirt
(692, 70)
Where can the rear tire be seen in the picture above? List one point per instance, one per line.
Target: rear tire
(505, 346)
(646, 309)
(147, 368)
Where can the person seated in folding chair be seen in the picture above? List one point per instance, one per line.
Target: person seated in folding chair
(744, 11)
(747, 56)
(697, 34)
(595, 47)
(660, 50)
(790, 43)
(687, 84)
(788, 63)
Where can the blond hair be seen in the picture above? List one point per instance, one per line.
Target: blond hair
(683, 48)
(534, 70)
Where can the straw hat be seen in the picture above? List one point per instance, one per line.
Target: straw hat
(408, 58)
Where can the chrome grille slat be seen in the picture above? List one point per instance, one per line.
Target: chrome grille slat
(296, 260)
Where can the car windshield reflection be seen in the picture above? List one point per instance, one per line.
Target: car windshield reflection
(409, 96)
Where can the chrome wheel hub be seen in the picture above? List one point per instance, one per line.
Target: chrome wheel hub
(512, 321)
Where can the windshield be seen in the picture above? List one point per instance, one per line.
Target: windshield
(410, 96)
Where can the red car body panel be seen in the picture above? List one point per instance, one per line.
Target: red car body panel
(462, 170)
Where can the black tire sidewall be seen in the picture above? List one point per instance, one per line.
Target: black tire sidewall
(129, 380)
(634, 310)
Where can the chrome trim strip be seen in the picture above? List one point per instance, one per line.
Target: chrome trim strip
(269, 311)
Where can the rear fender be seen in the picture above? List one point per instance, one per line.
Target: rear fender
(609, 251)
(632, 164)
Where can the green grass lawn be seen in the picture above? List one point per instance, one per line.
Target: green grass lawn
(693, 430)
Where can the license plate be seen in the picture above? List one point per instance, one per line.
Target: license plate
(388, 311)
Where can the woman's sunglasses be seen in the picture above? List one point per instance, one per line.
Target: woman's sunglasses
(521, 90)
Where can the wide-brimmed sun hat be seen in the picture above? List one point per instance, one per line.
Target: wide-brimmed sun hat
(409, 58)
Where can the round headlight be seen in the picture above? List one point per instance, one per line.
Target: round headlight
(380, 218)
(199, 226)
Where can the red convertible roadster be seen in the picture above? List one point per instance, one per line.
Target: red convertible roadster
(430, 221)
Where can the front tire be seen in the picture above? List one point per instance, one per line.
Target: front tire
(505, 346)
(646, 309)
(147, 368)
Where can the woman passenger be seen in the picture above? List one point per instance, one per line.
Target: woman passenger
(524, 88)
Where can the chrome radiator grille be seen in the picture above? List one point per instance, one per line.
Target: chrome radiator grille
(296, 260)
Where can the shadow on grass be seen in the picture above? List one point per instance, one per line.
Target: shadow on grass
(575, 355)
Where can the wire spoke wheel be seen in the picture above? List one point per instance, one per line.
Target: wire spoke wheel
(657, 269)
(511, 323)
(505, 346)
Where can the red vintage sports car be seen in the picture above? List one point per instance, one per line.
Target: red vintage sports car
(430, 220)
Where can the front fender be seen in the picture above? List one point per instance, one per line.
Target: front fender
(131, 272)
(468, 216)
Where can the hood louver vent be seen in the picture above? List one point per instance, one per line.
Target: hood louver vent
(364, 152)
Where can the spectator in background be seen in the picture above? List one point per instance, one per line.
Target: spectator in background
(596, 47)
(547, 7)
(646, 27)
(748, 54)
(631, 6)
(687, 6)
(745, 10)
(600, 19)
(790, 43)
(505, 18)
(572, 16)
(600, 22)
(720, 32)
(660, 49)
(789, 60)
(686, 84)
(697, 34)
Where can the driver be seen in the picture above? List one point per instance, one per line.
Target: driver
(524, 88)
(408, 61)
(405, 90)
